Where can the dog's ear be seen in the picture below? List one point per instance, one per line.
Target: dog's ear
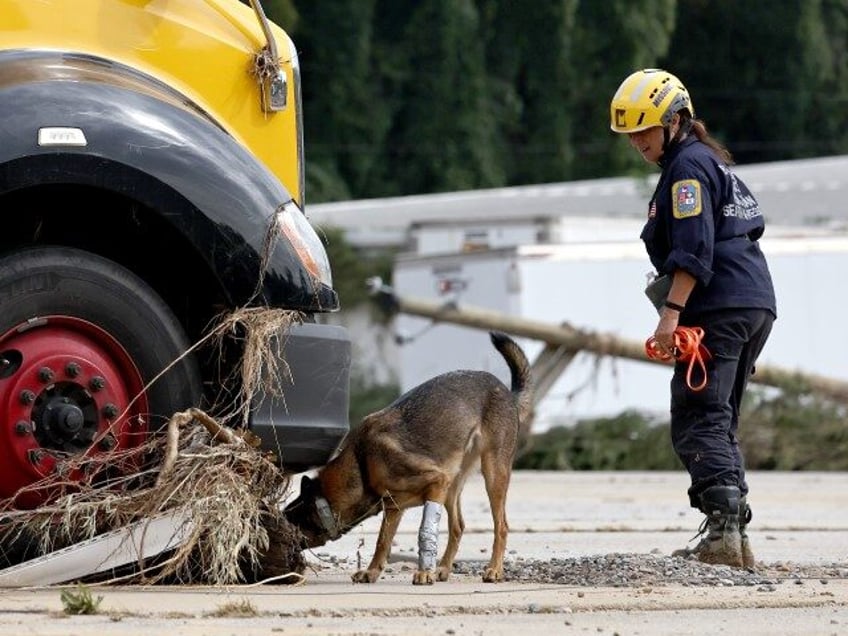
(309, 487)
(301, 505)
(305, 496)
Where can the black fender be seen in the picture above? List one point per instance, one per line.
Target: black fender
(147, 141)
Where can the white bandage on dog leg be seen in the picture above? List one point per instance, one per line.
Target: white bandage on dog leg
(428, 535)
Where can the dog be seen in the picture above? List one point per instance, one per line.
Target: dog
(419, 451)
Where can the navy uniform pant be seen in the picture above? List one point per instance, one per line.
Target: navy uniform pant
(704, 423)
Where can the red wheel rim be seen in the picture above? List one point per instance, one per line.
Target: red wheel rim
(68, 392)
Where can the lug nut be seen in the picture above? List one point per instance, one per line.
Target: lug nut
(72, 369)
(27, 397)
(108, 443)
(23, 427)
(45, 374)
(97, 383)
(36, 455)
(110, 411)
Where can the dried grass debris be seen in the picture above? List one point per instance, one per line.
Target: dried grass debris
(232, 493)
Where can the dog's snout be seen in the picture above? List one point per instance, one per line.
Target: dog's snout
(304, 518)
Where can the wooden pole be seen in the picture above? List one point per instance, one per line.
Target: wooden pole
(584, 340)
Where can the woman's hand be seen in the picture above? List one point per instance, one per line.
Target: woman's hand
(682, 284)
(664, 333)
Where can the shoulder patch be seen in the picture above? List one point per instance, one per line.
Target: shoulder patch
(686, 198)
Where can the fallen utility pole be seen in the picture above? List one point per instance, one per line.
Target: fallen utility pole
(573, 340)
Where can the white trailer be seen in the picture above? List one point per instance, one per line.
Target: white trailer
(598, 286)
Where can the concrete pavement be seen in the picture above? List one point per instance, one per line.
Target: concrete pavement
(798, 517)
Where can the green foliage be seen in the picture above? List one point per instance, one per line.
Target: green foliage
(324, 183)
(282, 12)
(629, 441)
(778, 431)
(80, 601)
(345, 115)
(405, 98)
(778, 60)
(536, 74)
(442, 132)
(828, 61)
(367, 397)
(793, 431)
(611, 40)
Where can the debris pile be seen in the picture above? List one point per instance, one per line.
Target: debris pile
(228, 491)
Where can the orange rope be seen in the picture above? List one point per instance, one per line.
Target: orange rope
(687, 348)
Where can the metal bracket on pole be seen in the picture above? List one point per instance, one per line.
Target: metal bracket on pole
(552, 360)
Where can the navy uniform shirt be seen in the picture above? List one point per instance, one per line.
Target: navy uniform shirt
(704, 220)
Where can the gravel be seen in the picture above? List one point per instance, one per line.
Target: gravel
(636, 570)
(628, 570)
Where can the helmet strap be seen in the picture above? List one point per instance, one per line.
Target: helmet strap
(666, 138)
(682, 133)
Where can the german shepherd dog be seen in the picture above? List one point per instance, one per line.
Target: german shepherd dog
(418, 451)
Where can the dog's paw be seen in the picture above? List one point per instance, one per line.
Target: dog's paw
(423, 577)
(443, 573)
(493, 575)
(365, 576)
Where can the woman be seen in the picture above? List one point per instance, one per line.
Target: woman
(702, 231)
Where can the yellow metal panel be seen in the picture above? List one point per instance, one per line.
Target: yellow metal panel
(202, 48)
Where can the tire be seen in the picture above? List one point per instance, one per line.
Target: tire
(81, 338)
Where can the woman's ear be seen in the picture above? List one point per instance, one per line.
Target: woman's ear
(675, 124)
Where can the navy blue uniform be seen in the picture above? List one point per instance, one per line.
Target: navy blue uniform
(704, 220)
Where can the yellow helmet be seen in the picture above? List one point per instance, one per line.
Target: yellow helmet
(648, 98)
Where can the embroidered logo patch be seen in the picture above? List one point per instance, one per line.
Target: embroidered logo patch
(686, 198)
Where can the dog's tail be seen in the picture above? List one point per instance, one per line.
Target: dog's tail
(519, 369)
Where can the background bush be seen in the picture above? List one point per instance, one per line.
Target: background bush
(783, 431)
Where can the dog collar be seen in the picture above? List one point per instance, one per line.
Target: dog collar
(326, 517)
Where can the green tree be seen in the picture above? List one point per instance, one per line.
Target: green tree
(531, 69)
(428, 96)
(442, 137)
(282, 12)
(629, 441)
(830, 100)
(612, 39)
(757, 71)
(345, 117)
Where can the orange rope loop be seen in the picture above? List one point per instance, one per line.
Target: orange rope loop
(687, 348)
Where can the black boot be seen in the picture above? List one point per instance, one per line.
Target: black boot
(745, 515)
(722, 544)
